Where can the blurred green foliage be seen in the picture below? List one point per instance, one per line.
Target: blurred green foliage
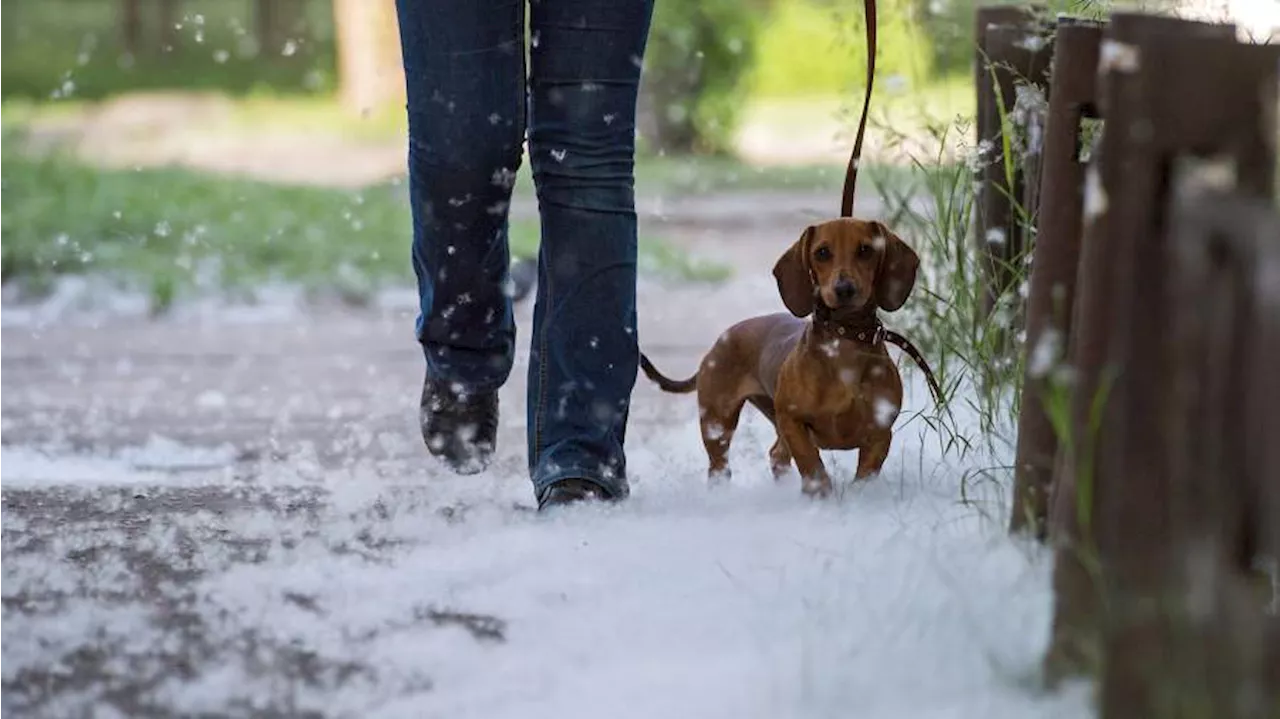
(949, 27)
(704, 57)
(170, 230)
(696, 61)
(75, 48)
(167, 228)
(818, 47)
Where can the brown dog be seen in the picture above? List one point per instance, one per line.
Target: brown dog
(828, 383)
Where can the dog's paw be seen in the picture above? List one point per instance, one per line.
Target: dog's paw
(718, 478)
(816, 487)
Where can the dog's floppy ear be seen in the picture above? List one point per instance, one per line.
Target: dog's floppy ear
(792, 273)
(898, 265)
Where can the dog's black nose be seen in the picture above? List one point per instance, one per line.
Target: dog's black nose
(845, 290)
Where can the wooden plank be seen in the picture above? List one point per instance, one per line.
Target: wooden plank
(1116, 176)
(1013, 45)
(1163, 525)
(1053, 271)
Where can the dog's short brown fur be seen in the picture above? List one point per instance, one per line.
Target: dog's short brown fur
(820, 385)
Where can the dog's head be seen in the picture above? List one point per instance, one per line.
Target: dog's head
(846, 264)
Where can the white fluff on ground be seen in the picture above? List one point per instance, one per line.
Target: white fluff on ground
(894, 599)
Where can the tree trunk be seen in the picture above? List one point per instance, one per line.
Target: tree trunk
(131, 25)
(370, 73)
(280, 22)
(169, 14)
(270, 35)
(292, 15)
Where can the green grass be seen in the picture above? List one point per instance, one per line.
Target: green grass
(173, 231)
(964, 345)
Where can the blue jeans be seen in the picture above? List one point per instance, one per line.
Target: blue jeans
(468, 100)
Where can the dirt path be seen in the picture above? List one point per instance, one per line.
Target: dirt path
(208, 132)
(271, 378)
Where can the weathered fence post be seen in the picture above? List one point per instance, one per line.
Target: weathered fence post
(1211, 645)
(1154, 558)
(1013, 46)
(1166, 490)
(1076, 638)
(1056, 254)
(1262, 416)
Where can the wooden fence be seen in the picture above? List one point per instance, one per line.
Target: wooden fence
(1013, 54)
(1149, 440)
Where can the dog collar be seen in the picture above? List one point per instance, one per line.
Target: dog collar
(872, 336)
(872, 333)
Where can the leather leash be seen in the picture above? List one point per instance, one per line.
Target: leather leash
(905, 344)
(851, 172)
(851, 181)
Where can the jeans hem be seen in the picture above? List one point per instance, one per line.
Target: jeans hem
(433, 372)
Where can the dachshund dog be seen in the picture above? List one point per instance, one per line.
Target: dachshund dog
(825, 383)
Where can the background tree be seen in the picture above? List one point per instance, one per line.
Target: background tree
(170, 16)
(131, 25)
(370, 73)
(278, 22)
(698, 56)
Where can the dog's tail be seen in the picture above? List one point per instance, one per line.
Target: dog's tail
(666, 384)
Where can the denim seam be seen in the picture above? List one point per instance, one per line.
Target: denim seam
(541, 404)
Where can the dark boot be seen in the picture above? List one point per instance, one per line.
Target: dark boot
(571, 491)
(524, 278)
(458, 427)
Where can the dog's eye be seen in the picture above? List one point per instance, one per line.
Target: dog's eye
(822, 254)
(864, 250)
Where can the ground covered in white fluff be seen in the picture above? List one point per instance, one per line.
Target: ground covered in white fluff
(381, 592)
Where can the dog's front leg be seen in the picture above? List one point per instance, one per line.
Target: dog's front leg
(813, 475)
(779, 457)
(872, 454)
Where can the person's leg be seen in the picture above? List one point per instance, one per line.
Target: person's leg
(464, 75)
(585, 61)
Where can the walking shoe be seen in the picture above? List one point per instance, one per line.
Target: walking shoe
(458, 426)
(570, 491)
(524, 277)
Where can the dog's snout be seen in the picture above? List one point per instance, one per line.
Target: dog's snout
(845, 289)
